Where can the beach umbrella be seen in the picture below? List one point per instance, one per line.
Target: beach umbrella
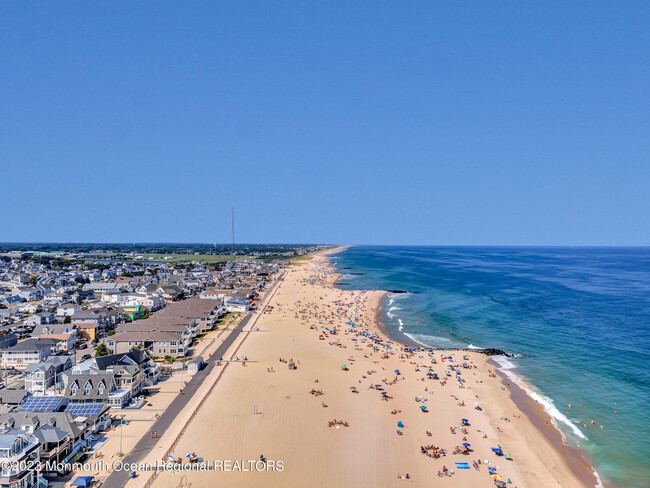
(189, 455)
(466, 444)
(422, 407)
(400, 424)
(498, 452)
(476, 405)
(500, 484)
(497, 477)
(397, 371)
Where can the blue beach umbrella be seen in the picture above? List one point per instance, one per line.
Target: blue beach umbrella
(400, 424)
(466, 444)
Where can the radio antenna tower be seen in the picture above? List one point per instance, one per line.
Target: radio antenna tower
(232, 250)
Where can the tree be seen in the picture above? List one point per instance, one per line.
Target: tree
(101, 350)
(32, 280)
(67, 319)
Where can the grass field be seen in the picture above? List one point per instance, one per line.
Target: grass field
(170, 258)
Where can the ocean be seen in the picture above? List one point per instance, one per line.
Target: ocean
(577, 319)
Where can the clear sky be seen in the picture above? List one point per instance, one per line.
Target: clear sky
(341, 122)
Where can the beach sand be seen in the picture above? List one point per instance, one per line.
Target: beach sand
(252, 412)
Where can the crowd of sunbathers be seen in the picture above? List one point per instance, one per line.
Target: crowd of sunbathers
(433, 451)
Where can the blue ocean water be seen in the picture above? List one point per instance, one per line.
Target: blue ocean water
(578, 317)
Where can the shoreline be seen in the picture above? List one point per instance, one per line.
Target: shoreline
(318, 393)
(575, 458)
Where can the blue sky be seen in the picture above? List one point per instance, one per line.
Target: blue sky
(506, 123)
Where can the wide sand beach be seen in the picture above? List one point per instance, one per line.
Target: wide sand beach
(344, 417)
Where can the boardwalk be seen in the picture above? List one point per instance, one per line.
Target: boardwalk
(117, 479)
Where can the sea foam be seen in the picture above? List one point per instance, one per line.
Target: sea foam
(506, 367)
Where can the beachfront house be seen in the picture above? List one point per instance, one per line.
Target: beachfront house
(61, 435)
(129, 370)
(95, 388)
(237, 304)
(19, 458)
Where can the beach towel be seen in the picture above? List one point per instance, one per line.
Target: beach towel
(462, 466)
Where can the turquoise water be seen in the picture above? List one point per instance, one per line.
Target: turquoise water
(578, 320)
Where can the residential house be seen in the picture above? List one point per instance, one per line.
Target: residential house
(68, 309)
(19, 458)
(12, 399)
(29, 351)
(237, 304)
(8, 340)
(41, 318)
(61, 435)
(95, 388)
(150, 371)
(154, 343)
(48, 375)
(101, 287)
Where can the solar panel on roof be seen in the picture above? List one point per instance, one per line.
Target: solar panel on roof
(41, 404)
(84, 410)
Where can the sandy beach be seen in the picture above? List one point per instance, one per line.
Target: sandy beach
(344, 417)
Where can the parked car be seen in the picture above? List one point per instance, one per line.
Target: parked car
(83, 346)
(86, 357)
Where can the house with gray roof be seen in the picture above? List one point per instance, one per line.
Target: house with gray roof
(47, 376)
(29, 351)
(60, 435)
(85, 388)
(18, 449)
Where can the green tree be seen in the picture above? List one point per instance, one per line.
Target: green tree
(32, 280)
(67, 319)
(101, 350)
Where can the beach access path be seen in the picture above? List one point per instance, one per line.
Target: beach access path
(117, 479)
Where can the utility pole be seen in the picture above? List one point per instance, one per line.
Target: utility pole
(232, 251)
